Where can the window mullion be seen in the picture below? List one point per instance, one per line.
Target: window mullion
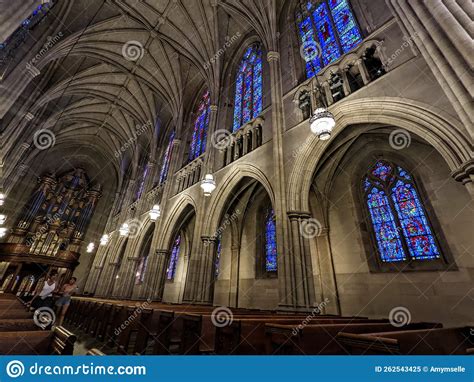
(398, 223)
(334, 28)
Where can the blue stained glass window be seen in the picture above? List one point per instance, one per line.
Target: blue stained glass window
(248, 87)
(309, 47)
(171, 270)
(385, 228)
(327, 30)
(325, 34)
(201, 123)
(141, 186)
(166, 159)
(270, 241)
(398, 218)
(420, 240)
(349, 35)
(218, 255)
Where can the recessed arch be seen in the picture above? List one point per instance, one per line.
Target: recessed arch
(446, 135)
(221, 198)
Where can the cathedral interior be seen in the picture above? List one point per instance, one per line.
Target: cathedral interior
(304, 157)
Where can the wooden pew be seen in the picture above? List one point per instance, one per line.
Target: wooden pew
(19, 313)
(89, 316)
(168, 335)
(199, 333)
(8, 304)
(57, 342)
(247, 336)
(127, 327)
(97, 316)
(15, 325)
(416, 342)
(113, 322)
(104, 321)
(162, 327)
(94, 351)
(322, 339)
(143, 331)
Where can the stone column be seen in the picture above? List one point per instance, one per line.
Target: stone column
(198, 281)
(210, 165)
(92, 281)
(327, 93)
(345, 83)
(301, 266)
(234, 275)
(363, 71)
(127, 280)
(159, 262)
(204, 286)
(287, 292)
(153, 282)
(327, 275)
(434, 26)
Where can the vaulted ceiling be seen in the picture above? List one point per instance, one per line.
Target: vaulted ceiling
(114, 66)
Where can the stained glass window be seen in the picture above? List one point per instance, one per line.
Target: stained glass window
(398, 218)
(141, 185)
(140, 275)
(327, 30)
(248, 88)
(166, 159)
(201, 123)
(218, 254)
(173, 259)
(270, 241)
(144, 252)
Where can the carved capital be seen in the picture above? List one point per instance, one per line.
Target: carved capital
(464, 172)
(162, 252)
(294, 215)
(273, 56)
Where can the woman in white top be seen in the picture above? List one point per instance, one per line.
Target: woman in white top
(45, 296)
